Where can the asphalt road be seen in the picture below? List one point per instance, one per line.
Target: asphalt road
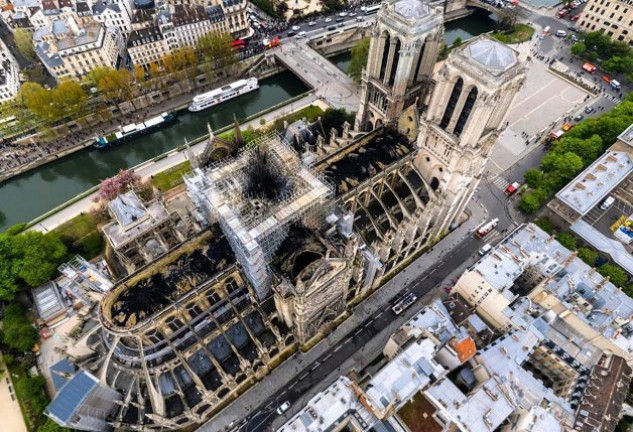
(317, 371)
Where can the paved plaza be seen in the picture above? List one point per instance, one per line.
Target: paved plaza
(10, 413)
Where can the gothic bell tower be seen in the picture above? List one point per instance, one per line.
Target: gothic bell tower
(475, 89)
(404, 45)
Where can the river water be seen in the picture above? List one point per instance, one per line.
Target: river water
(31, 194)
(35, 192)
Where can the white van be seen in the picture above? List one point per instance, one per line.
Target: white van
(615, 84)
(301, 34)
(561, 33)
(485, 249)
(608, 202)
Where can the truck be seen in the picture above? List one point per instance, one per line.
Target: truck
(486, 228)
(556, 135)
(512, 188)
(589, 67)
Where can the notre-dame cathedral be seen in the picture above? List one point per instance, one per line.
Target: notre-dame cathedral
(265, 247)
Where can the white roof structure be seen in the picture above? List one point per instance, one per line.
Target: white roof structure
(627, 136)
(404, 376)
(329, 408)
(509, 388)
(492, 54)
(595, 182)
(597, 302)
(412, 8)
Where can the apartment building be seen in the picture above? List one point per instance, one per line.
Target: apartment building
(70, 50)
(191, 22)
(613, 17)
(9, 74)
(146, 45)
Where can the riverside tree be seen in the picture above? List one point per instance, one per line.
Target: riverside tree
(360, 54)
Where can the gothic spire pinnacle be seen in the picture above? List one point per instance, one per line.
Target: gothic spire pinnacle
(238, 133)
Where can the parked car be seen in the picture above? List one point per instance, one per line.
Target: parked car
(312, 23)
(485, 249)
(296, 27)
(328, 19)
(331, 28)
(579, 117)
(608, 202)
(574, 17)
(301, 35)
(588, 110)
(561, 33)
(339, 19)
(562, 13)
(283, 408)
(291, 33)
(343, 14)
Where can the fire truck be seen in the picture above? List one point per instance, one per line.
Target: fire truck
(486, 228)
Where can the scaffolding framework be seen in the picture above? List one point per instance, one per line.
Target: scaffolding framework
(255, 223)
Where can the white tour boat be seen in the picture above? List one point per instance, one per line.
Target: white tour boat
(222, 94)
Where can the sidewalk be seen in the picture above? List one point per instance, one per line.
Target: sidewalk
(277, 380)
(10, 413)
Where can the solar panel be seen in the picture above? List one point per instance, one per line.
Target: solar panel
(71, 396)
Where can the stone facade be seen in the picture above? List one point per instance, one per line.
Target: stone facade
(404, 45)
(613, 18)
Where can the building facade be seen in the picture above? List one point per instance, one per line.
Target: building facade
(9, 74)
(404, 46)
(147, 45)
(613, 17)
(69, 50)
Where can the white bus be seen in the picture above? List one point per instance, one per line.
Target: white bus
(372, 9)
(403, 304)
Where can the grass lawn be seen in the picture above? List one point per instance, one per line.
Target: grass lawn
(521, 33)
(81, 236)
(171, 177)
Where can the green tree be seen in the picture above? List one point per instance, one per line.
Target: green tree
(24, 43)
(533, 178)
(216, 48)
(37, 100)
(563, 166)
(334, 118)
(69, 98)
(545, 224)
(457, 42)
(360, 54)
(51, 426)
(531, 202)
(578, 49)
(567, 240)
(617, 276)
(587, 148)
(17, 331)
(38, 256)
(589, 256)
(9, 268)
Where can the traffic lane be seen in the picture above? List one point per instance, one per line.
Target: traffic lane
(321, 368)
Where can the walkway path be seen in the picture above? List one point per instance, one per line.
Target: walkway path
(147, 169)
(10, 413)
(329, 82)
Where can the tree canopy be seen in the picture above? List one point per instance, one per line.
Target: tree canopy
(30, 258)
(360, 54)
(24, 43)
(576, 150)
(617, 276)
(17, 331)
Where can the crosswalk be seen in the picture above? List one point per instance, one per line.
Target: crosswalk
(495, 236)
(500, 182)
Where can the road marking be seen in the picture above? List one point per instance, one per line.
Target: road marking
(381, 312)
(301, 378)
(315, 366)
(337, 348)
(327, 356)
(292, 385)
(359, 331)
(369, 323)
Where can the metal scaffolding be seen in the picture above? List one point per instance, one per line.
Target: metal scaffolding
(256, 196)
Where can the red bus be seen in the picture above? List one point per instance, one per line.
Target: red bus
(238, 44)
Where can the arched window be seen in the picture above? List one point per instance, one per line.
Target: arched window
(385, 57)
(468, 106)
(394, 64)
(417, 66)
(452, 101)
